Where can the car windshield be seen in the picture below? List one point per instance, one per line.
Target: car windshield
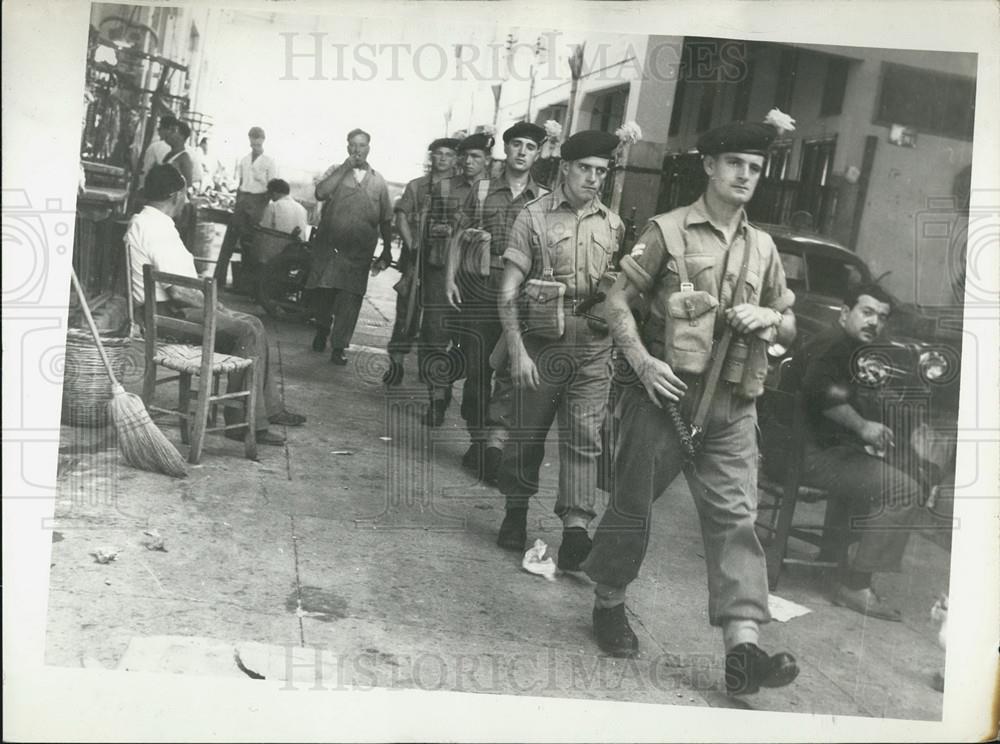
(795, 271)
(810, 272)
(830, 276)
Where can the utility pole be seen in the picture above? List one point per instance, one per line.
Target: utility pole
(498, 88)
(531, 88)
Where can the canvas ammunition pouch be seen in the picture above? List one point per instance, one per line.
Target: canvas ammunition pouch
(546, 315)
(689, 325)
(474, 242)
(690, 322)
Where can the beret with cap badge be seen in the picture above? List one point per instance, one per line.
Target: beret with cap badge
(589, 143)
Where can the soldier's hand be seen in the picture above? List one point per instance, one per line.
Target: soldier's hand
(747, 318)
(452, 294)
(877, 435)
(523, 371)
(659, 380)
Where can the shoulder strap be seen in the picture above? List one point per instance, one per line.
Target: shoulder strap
(543, 243)
(483, 190)
(675, 242)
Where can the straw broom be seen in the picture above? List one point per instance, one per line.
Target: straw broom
(140, 442)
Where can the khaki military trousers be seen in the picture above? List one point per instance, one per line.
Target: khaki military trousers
(723, 483)
(575, 380)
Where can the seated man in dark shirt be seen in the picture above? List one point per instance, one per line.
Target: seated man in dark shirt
(847, 448)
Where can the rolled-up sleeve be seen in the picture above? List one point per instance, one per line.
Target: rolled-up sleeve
(408, 201)
(774, 293)
(519, 249)
(647, 259)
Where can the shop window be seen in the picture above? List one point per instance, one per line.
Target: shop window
(834, 85)
(741, 101)
(556, 112)
(928, 101)
(779, 160)
(608, 112)
(705, 106)
(788, 63)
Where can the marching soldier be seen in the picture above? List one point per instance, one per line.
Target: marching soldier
(694, 272)
(473, 287)
(560, 246)
(420, 300)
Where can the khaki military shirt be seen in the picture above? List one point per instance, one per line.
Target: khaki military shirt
(706, 253)
(500, 209)
(581, 245)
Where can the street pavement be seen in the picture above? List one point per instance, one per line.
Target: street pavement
(361, 554)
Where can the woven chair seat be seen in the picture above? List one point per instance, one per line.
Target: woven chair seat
(187, 359)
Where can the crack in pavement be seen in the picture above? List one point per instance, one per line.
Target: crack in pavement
(281, 387)
(298, 582)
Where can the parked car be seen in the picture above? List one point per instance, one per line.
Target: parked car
(917, 352)
(911, 373)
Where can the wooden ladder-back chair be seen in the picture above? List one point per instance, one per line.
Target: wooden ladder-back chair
(783, 430)
(190, 361)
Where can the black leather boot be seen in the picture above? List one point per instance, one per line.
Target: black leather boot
(514, 530)
(748, 668)
(613, 633)
(574, 549)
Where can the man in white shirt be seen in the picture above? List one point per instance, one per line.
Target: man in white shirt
(253, 173)
(153, 239)
(283, 213)
(159, 148)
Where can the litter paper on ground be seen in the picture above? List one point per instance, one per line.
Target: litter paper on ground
(784, 610)
(537, 562)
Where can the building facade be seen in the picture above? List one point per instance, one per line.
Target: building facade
(879, 161)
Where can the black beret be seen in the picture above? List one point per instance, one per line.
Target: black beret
(750, 138)
(587, 144)
(478, 141)
(525, 130)
(450, 142)
(161, 182)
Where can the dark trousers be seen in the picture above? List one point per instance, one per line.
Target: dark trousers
(243, 335)
(247, 211)
(478, 333)
(723, 483)
(339, 308)
(437, 366)
(882, 503)
(478, 330)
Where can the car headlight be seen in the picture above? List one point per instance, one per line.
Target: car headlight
(933, 366)
(872, 369)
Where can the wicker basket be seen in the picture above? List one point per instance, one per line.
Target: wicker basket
(86, 387)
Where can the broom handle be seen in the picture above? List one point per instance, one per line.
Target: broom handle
(93, 326)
